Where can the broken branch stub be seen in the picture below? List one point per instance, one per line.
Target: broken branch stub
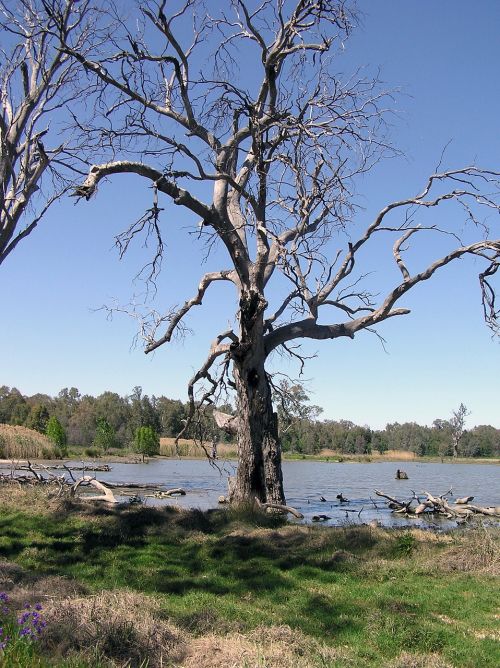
(228, 423)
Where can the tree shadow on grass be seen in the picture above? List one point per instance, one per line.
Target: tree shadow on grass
(166, 551)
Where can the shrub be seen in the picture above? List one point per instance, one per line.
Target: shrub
(55, 431)
(105, 435)
(146, 442)
(93, 452)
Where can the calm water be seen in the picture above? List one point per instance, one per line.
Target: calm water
(306, 481)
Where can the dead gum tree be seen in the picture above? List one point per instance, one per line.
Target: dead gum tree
(276, 147)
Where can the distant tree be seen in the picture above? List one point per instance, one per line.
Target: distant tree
(482, 441)
(146, 442)
(296, 417)
(457, 423)
(38, 418)
(379, 442)
(172, 415)
(13, 406)
(105, 435)
(82, 423)
(116, 411)
(65, 404)
(56, 433)
(142, 412)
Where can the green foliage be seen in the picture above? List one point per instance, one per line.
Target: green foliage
(93, 452)
(38, 418)
(105, 435)
(405, 543)
(146, 442)
(302, 431)
(55, 431)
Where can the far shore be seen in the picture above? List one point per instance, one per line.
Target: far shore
(227, 453)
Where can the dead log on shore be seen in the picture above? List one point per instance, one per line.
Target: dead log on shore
(107, 495)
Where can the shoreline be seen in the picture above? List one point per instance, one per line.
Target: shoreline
(129, 458)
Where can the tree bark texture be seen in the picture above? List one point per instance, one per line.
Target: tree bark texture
(259, 473)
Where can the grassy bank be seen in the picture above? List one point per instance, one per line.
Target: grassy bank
(226, 588)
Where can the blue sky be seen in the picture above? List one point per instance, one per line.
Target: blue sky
(444, 56)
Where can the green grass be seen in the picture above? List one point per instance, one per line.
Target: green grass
(374, 593)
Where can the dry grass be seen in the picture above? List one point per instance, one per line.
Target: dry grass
(23, 443)
(410, 660)
(266, 646)
(396, 455)
(190, 448)
(474, 551)
(389, 455)
(119, 628)
(22, 585)
(38, 499)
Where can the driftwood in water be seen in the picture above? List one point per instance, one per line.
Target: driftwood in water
(103, 468)
(282, 508)
(464, 499)
(166, 494)
(401, 475)
(107, 495)
(438, 505)
(133, 485)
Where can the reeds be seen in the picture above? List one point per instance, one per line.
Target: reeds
(23, 443)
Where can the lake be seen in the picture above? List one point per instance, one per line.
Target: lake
(306, 481)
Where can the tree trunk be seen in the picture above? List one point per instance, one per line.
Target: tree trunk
(259, 474)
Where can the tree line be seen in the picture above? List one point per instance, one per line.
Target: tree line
(113, 421)
(345, 437)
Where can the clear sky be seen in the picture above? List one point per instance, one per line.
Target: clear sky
(444, 57)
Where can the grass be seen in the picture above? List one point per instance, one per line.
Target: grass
(23, 443)
(232, 588)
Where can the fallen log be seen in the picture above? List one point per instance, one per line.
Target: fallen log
(165, 494)
(394, 501)
(108, 495)
(100, 468)
(279, 506)
(464, 499)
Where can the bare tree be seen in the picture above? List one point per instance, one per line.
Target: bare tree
(265, 159)
(39, 156)
(457, 424)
